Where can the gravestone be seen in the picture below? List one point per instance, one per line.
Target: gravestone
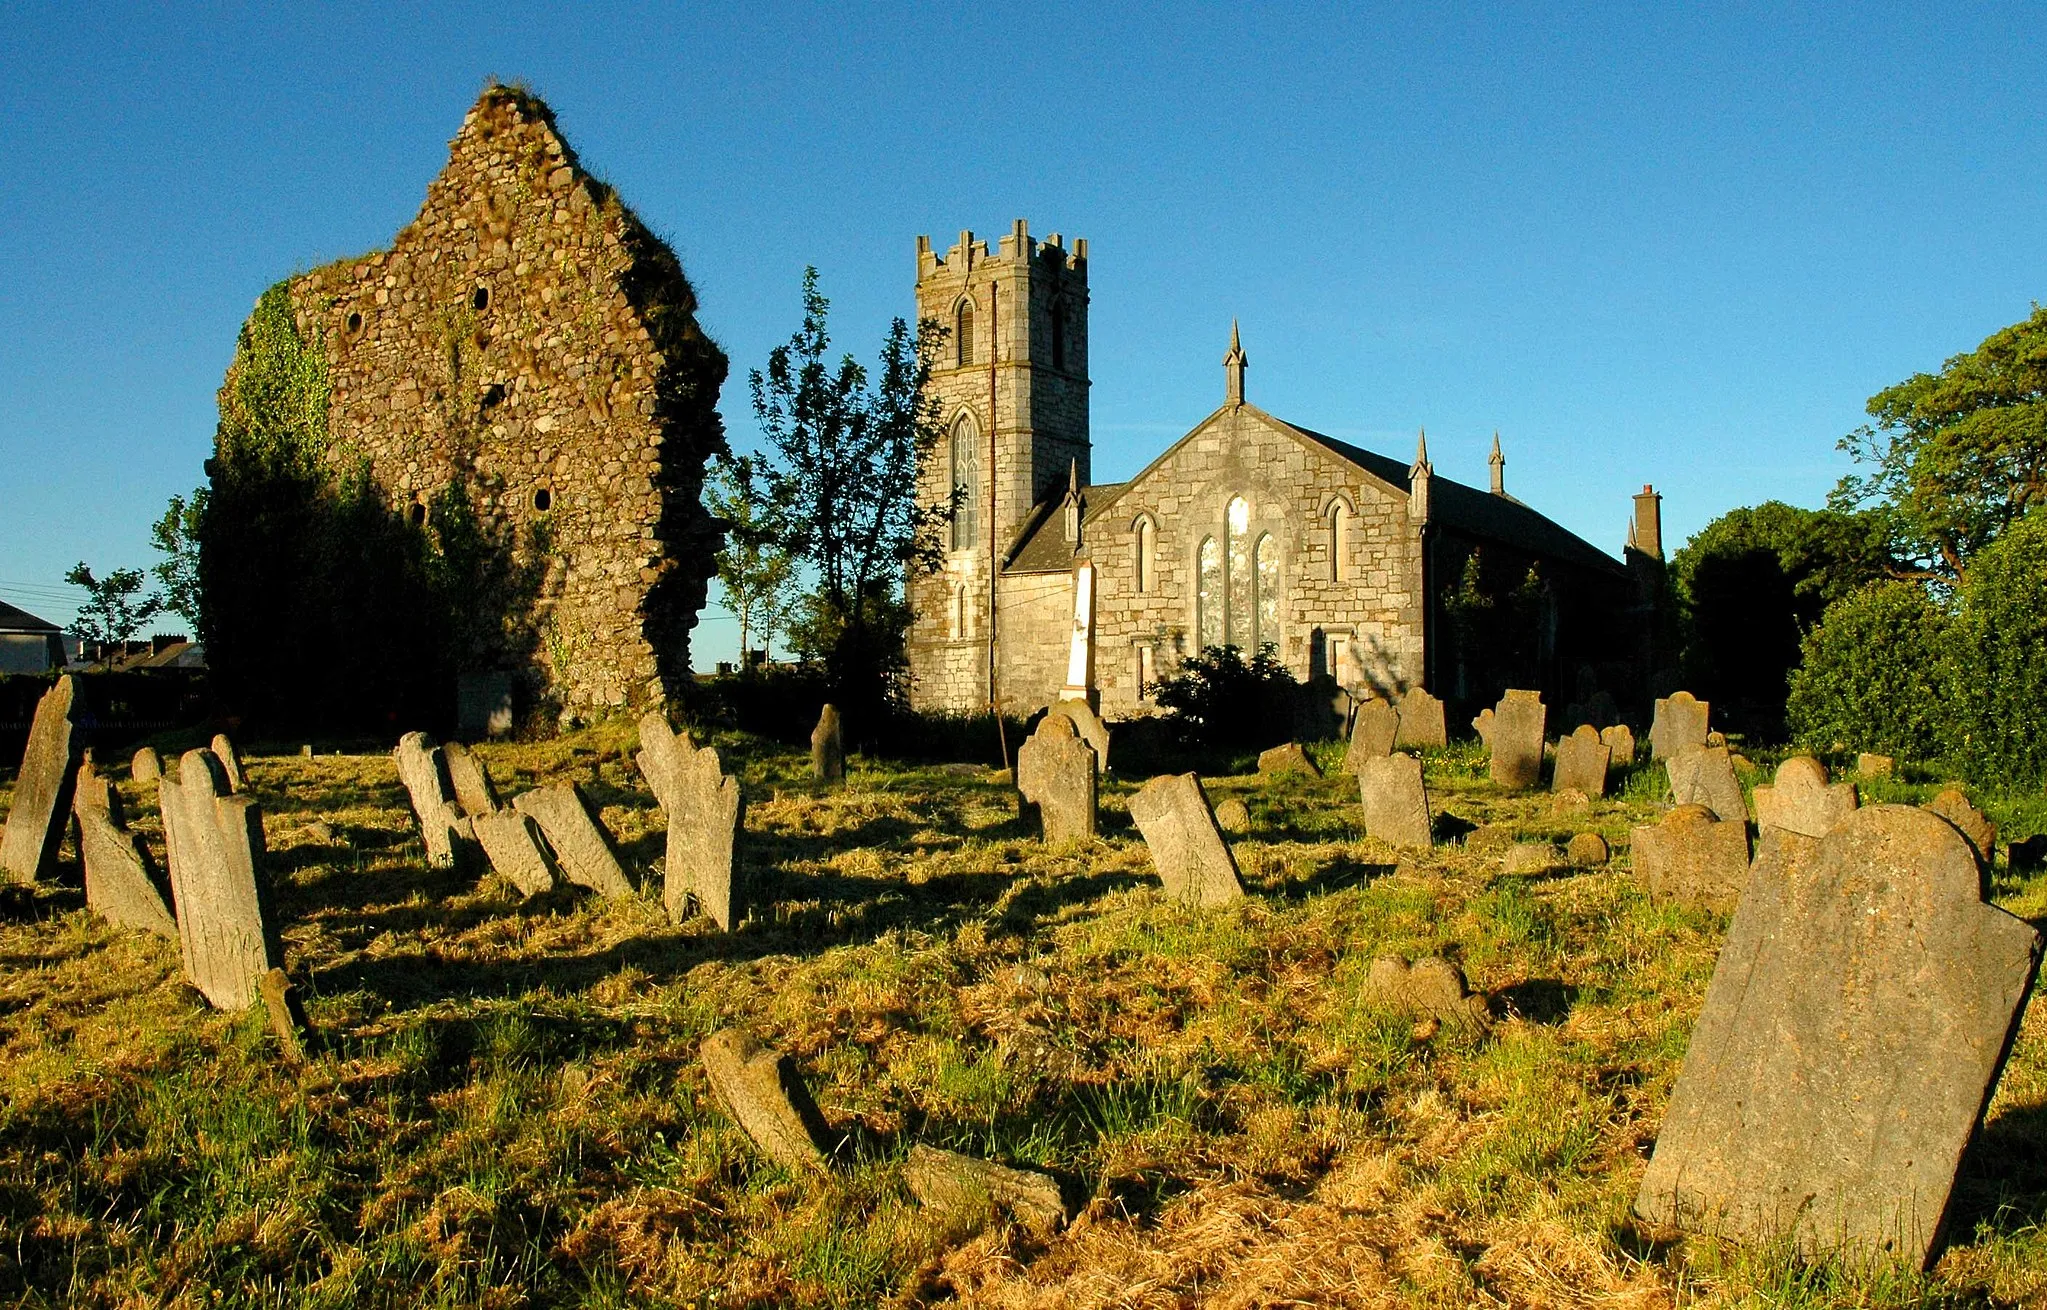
(1057, 772)
(1953, 805)
(1287, 758)
(1088, 724)
(1372, 734)
(1851, 1036)
(42, 788)
(1693, 858)
(1587, 850)
(512, 844)
(469, 780)
(706, 819)
(1232, 815)
(766, 1097)
(147, 765)
(580, 845)
(827, 747)
(1513, 730)
(1186, 847)
(966, 1190)
(1431, 988)
(1704, 775)
(1395, 801)
(1581, 763)
(230, 762)
(215, 843)
(425, 775)
(94, 790)
(119, 886)
(1801, 800)
(1679, 725)
(1620, 740)
(1525, 858)
(1421, 722)
(483, 704)
(1874, 766)
(287, 1016)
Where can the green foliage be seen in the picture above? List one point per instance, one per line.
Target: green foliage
(1869, 674)
(1958, 455)
(176, 537)
(1997, 659)
(1222, 701)
(756, 574)
(273, 409)
(115, 606)
(1496, 620)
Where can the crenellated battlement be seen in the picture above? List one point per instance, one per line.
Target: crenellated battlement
(1018, 247)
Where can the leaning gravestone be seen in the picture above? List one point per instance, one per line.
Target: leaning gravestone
(1431, 988)
(1679, 725)
(965, 1189)
(1704, 775)
(147, 765)
(1953, 805)
(1693, 858)
(512, 844)
(230, 762)
(469, 780)
(1233, 816)
(215, 842)
(1395, 801)
(827, 746)
(1421, 721)
(42, 789)
(765, 1095)
(579, 843)
(425, 775)
(1619, 739)
(1057, 772)
(706, 817)
(1851, 1037)
(1288, 758)
(1581, 762)
(1186, 846)
(1372, 733)
(1513, 730)
(1801, 800)
(118, 884)
(1088, 724)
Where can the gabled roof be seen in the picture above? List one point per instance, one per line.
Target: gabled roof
(20, 620)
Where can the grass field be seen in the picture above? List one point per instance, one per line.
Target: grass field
(504, 1107)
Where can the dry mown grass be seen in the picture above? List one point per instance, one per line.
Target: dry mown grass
(506, 1110)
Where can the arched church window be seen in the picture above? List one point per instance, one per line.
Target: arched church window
(1266, 584)
(1058, 334)
(1147, 554)
(966, 482)
(1339, 540)
(959, 613)
(1208, 596)
(963, 333)
(1242, 603)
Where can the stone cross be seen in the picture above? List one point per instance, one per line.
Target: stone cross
(1057, 772)
(706, 817)
(1080, 655)
(425, 775)
(1620, 740)
(1801, 800)
(1395, 801)
(1513, 730)
(42, 789)
(1581, 762)
(1088, 724)
(474, 794)
(119, 885)
(1186, 846)
(215, 842)
(1704, 775)
(1421, 721)
(1679, 725)
(1372, 733)
(765, 1095)
(827, 746)
(1853, 1031)
(1693, 858)
(580, 845)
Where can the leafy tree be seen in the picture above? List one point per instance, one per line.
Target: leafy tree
(841, 487)
(1869, 674)
(177, 535)
(115, 606)
(1995, 681)
(1226, 702)
(1956, 456)
(755, 573)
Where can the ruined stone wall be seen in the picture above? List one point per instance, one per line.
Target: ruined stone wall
(527, 338)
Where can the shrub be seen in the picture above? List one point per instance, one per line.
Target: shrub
(1869, 676)
(1223, 702)
(1996, 667)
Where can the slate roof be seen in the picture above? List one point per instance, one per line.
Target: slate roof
(1041, 545)
(20, 620)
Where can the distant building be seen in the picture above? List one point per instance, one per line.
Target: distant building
(28, 644)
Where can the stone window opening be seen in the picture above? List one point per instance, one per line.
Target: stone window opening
(354, 323)
(1338, 519)
(1147, 671)
(543, 500)
(1209, 618)
(489, 399)
(959, 612)
(965, 463)
(1239, 590)
(1147, 554)
(963, 333)
(417, 514)
(481, 299)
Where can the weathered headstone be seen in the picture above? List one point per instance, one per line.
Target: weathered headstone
(1514, 732)
(215, 841)
(1057, 772)
(1421, 721)
(1088, 724)
(42, 788)
(425, 775)
(1431, 988)
(1953, 805)
(1581, 762)
(469, 780)
(1287, 758)
(91, 789)
(1853, 1031)
(579, 842)
(967, 1190)
(1186, 846)
(1232, 815)
(1619, 739)
(1874, 766)
(512, 844)
(766, 1097)
(1693, 858)
(1524, 858)
(1801, 800)
(230, 762)
(1679, 725)
(706, 818)
(1704, 776)
(827, 747)
(1372, 733)
(287, 1016)
(118, 885)
(1395, 801)
(147, 765)
(1586, 850)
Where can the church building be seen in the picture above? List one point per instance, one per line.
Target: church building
(1373, 572)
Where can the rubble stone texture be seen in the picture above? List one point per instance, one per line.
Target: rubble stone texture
(1057, 772)
(1953, 805)
(1693, 858)
(1431, 988)
(1581, 763)
(147, 766)
(215, 840)
(230, 762)
(1619, 739)
(42, 788)
(1704, 776)
(579, 842)
(1395, 801)
(1421, 722)
(967, 1190)
(1186, 846)
(1513, 730)
(512, 843)
(1679, 725)
(1088, 724)
(1801, 800)
(425, 775)
(765, 1095)
(1287, 758)
(1372, 733)
(828, 746)
(469, 780)
(1851, 1037)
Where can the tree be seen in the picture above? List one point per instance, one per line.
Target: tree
(115, 606)
(1995, 671)
(1223, 701)
(755, 573)
(841, 488)
(1956, 456)
(177, 535)
(1869, 674)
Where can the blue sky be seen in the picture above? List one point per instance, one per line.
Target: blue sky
(1679, 244)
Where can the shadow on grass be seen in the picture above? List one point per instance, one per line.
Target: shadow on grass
(2001, 1188)
(1538, 1000)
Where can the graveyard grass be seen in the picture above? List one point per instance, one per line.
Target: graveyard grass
(504, 1105)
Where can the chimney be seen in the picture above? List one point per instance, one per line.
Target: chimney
(1645, 534)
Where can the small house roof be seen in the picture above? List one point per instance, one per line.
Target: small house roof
(20, 620)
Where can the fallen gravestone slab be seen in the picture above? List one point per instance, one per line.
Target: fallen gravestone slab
(1058, 773)
(1704, 776)
(1587, 850)
(425, 775)
(1679, 726)
(230, 762)
(1693, 858)
(766, 1097)
(147, 765)
(706, 819)
(1287, 758)
(512, 844)
(1372, 734)
(1529, 857)
(42, 788)
(1513, 731)
(1395, 800)
(1953, 805)
(1431, 988)
(1581, 762)
(1801, 800)
(969, 1191)
(579, 842)
(1421, 722)
(1852, 1034)
(469, 780)
(1874, 766)
(828, 746)
(215, 842)
(1620, 740)
(1088, 724)
(118, 884)
(1186, 847)
(1232, 815)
